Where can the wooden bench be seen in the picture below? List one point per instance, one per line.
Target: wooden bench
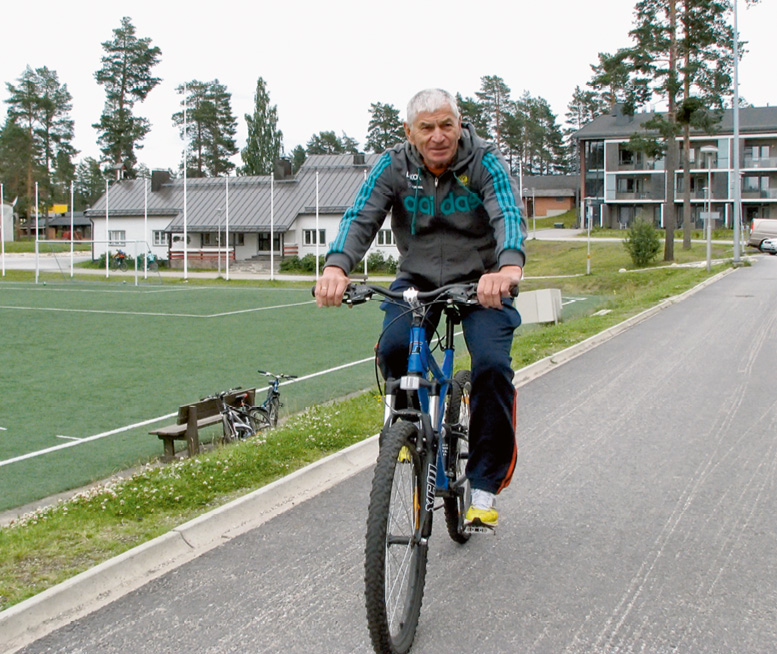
(193, 417)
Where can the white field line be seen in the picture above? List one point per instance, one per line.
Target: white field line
(160, 314)
(119, 430)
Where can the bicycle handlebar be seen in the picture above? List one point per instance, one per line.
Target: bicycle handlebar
(272, 374)
(466, 294)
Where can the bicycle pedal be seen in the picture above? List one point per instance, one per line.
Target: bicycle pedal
(477, 527)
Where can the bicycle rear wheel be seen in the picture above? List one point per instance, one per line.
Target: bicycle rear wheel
(229, 432)
(457, 419)
(395, 553)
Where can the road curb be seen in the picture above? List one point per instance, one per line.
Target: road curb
(41, 614)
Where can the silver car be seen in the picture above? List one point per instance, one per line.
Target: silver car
(769, 245)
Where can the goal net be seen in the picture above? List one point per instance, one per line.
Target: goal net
(77, 260)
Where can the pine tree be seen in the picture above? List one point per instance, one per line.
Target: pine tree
(210, 127)
(298, 156)
(682, 55)
(15, 144)
(89, 183)
(329, 143)
(495, 103)
(385, 129)
(265, 140)
(472, 112)
(126, 76)
(41, 106)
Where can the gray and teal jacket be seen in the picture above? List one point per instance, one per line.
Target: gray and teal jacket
(448, 229)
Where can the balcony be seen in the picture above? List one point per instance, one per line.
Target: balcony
(766, 162)
(636, 195)
(759, 194)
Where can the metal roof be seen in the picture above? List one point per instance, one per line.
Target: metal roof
(752, 120)
(253, 201)
(551, 185)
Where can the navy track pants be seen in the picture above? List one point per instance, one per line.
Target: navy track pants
(489, 336)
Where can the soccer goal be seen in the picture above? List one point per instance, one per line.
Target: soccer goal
(110, 258)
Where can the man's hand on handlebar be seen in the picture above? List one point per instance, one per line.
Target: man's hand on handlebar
(492, 287)
(331, 286)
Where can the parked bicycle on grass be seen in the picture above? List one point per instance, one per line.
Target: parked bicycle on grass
(239, 421)
(266, 413)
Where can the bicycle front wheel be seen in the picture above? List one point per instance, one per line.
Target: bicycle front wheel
(457, 419)
(260, 418)
(395, 553)
(273, 410)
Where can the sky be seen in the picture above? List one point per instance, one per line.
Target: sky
(325, 63)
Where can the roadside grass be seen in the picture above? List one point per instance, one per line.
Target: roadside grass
(57, 542)
(28, 246)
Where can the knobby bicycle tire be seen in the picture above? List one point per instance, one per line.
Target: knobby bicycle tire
(395, 554)
(457, 419)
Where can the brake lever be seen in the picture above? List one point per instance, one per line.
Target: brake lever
(356, 294)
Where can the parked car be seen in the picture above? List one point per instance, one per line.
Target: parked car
(760, 230)
(769, 245)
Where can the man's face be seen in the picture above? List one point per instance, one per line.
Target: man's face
(436, 135)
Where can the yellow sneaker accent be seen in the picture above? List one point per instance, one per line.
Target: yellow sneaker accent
(481, 517)
(404, 455)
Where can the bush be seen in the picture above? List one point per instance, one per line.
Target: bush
(306, 264)
(290, 264)
(642, 243)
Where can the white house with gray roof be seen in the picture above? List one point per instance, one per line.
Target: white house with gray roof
(136, 215)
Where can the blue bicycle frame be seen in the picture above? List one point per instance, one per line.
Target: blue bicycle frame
(421, 365)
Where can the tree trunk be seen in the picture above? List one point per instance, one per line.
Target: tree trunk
(687, 188)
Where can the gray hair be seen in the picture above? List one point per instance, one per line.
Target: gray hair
(430, 100)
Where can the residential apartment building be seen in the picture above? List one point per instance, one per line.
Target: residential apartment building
(619, 185)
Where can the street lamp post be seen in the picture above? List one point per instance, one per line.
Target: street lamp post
(709, 151)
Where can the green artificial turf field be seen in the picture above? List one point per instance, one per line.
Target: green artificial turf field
(86, 370)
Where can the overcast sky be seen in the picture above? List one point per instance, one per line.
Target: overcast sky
(324, 63)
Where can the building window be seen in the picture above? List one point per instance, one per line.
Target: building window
(160, 239)
(594, 155)
(386, 237)
(625, 157)
(117, 237)
(309, 236)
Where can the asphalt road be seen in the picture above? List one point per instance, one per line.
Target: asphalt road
(641, 519)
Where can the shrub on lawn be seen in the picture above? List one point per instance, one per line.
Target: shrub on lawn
(642, 243)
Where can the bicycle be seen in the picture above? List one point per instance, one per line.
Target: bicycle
(119, 260)
(238, 422)
(423, 454)
(266, 413)
(152, 261)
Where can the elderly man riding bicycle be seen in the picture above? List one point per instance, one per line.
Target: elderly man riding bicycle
(456, 217)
